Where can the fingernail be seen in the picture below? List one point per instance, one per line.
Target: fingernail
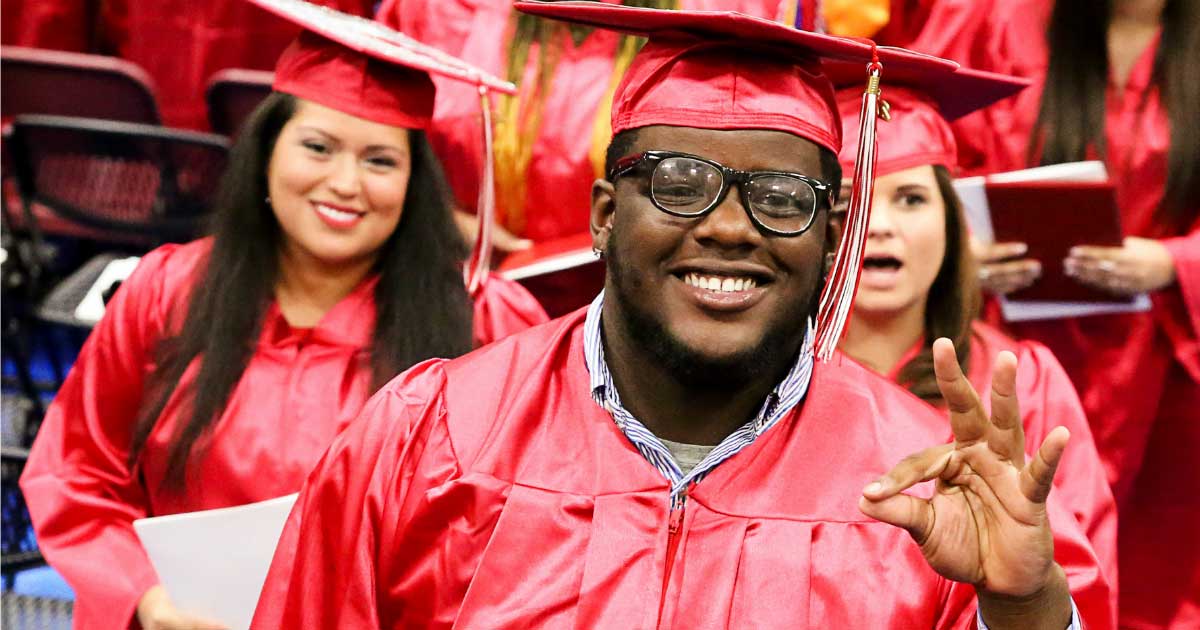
(1074, 251)
(1020, 249)
(873, 488)
(1069, 267)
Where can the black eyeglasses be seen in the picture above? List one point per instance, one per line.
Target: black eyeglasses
(685, 185)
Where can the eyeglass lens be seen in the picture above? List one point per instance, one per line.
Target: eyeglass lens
(689, 186)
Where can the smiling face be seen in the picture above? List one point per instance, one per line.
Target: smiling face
(906, 243)
(711, 297)
(337, 184)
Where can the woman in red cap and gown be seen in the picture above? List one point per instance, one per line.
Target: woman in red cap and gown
(1116, 81)
(550, 136)
(919, 283)
(223, 368)
(552, 480)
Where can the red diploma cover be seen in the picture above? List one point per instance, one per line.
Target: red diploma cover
(1051, 217)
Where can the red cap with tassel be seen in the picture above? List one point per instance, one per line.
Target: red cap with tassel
(362, 68)
(727, 70)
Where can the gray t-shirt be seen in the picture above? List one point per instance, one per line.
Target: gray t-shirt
(688, 456)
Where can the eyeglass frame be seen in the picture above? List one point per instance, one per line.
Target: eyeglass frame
(822, 191)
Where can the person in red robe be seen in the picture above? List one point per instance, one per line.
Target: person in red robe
(1122, 91)
(223, 368)
(919, 283)
(674, 455)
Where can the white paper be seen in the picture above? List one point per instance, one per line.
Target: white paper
(213, 563)
(566, 260)
(973, 193)
(91, 307)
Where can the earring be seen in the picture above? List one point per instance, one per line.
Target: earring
(598, 253)
(829, 258)
(267, 199)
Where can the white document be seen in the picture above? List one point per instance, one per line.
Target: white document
(972, 191)
(213, 563)
(91, 307)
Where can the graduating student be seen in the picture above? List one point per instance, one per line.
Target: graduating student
(1116, 81)
(224, 368)
(918, 284)
(674, 456)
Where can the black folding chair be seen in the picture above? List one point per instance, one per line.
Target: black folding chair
(232, 94)
(127, 187)
(20, 550)
(37, 81)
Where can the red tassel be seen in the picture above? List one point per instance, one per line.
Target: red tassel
(475, 274)
(837, 299)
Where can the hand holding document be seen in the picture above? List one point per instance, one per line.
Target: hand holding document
(1051, 209)
(213, 563)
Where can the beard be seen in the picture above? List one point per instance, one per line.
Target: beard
(771, 356)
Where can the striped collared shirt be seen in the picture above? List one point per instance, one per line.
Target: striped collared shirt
(779, 402)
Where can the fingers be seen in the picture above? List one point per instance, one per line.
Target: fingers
(1038, 476)
(1006, 277)
(1107, 275)
(507, 242)
(913, 514)
(997, 252)
(922, 466)
(1093, 253)
(1008, 436)
(967, 418)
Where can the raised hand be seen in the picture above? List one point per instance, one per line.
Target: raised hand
(986, 522)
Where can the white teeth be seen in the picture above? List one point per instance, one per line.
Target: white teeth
(720, 283)
(335, 214)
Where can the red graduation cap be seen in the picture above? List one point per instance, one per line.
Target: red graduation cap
(727, 70)
(920, 108)
(364, 69)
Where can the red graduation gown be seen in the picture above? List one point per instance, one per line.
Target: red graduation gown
(492, 492)
(181, 45)
(55, 24)
(1136, 374)
(301, 387)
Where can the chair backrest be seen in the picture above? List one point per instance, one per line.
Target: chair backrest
(133, 182)
(36, 81)
(232, 94)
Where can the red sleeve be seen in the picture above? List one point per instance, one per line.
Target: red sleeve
(1048, 399)
(55, 24)
(82, 495)
(1185, 332)
(504, 307)
(327, 570)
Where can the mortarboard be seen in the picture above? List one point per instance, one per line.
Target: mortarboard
(727, 70)
(921, 107)
(367, 70)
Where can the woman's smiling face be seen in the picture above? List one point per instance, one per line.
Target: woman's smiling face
(337, 184)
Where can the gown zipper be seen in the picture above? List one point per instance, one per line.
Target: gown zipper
(675, 523)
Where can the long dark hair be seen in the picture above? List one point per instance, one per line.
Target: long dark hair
(1071, 118)
(422, 308)
(953, 300)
